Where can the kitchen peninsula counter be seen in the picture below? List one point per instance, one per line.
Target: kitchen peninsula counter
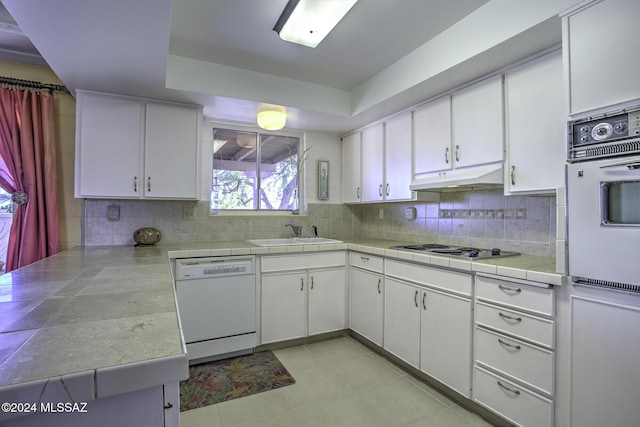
(88, 324)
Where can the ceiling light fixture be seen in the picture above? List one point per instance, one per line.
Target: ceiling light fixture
(272, 119)
(307, 22)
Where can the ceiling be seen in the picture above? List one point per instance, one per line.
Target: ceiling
(384, 56)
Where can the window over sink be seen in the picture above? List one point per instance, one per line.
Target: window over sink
(254, 171)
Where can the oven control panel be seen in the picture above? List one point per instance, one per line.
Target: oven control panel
(604, 136)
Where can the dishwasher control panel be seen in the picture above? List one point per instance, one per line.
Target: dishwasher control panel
(196, 268)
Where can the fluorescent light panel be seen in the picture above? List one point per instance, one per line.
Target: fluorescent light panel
(307, 22)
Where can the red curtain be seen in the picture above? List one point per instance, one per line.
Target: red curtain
(28, 164)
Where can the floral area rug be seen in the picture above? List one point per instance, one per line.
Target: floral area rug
(227, 379)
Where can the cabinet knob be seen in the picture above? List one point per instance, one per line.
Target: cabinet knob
(135, 184)
(380, 190)
(388, 189)
(379, 283)
(149, 184)
(513, 175)
(424, 302)
(446, 155)
(457, 153)
(415, 298)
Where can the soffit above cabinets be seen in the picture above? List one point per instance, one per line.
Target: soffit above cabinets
(225, 56)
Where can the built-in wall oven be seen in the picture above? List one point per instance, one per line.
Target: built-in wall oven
(603, 200)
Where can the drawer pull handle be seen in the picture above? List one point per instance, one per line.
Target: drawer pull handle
(415, 298)
(364, 258)
(514, 346)
(424, 303)
(510, 390)
(507, 317)
(302, 284)
(379, 283)
(510, 289)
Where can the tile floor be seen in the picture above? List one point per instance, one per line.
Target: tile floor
(339, 382)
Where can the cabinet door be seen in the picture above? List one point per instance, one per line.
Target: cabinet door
(432, 136)
(109, 140)
(351, 191)
(445, 342)
(397, 157)
(171, 152)
(366, 304)
(609, 26)
(402, 321)
(605, 350)
(536, 126)
(283, 310)
(372, 161)
(327, 301)
(477, 123)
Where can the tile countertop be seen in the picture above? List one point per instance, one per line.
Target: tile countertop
(94, 322)
(89, 323)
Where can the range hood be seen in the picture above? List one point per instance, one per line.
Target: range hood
(483, 176)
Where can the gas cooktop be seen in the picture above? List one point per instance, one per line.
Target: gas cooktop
(456, 251)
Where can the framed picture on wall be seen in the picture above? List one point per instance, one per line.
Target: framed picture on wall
(323, 180)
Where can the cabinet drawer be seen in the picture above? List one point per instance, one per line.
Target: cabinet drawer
(447, 280)
(302, 261)
(526, 363)
(516, 404)
(531, 328)
(366, 261)
(515, 294)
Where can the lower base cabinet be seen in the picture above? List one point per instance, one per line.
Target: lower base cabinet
(302, 295)
(366, 311)
(428, 328)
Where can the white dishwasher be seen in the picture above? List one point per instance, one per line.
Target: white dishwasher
(217, 306)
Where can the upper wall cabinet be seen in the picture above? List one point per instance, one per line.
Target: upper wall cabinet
(535, 126)
(602, 44)
(432, 133)
(477, 123)
(386, 160)
(461, 130)
(134, 148)
(351, 182)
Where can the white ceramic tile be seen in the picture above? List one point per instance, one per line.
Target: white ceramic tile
(517, 273)
(561, 257)
(561, 232)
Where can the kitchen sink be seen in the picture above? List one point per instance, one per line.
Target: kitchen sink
(293, 241)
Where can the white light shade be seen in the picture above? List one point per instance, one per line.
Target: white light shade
(311, 20)
(272, 119)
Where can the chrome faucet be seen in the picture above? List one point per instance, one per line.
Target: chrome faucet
(296, 229)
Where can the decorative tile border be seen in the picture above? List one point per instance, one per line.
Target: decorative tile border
(483, 213)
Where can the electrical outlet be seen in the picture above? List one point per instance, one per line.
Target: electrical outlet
(113, 213)
(324, 212)
(188, 212)
(381, 213)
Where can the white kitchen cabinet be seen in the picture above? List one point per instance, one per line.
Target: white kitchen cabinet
(535, 126)
(604, 354)
(366, 312)
(445, 352)
(601, 44)
(432, 136)
(402, 320)
(302, 295)
(397, 158)
(135, 148)
(416, 310)
(477, 118)
(109, 139)
(171, 152)
(283, 307)
(351, 168)
(373, 163)
(514, 354)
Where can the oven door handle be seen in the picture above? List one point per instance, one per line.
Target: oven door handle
(632, 165)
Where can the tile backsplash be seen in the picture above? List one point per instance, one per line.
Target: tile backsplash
(484, 218)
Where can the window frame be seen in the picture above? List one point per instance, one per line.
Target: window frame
(260, 132)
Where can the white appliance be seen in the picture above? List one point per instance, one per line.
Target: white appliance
(603, 200)
(217, 306)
